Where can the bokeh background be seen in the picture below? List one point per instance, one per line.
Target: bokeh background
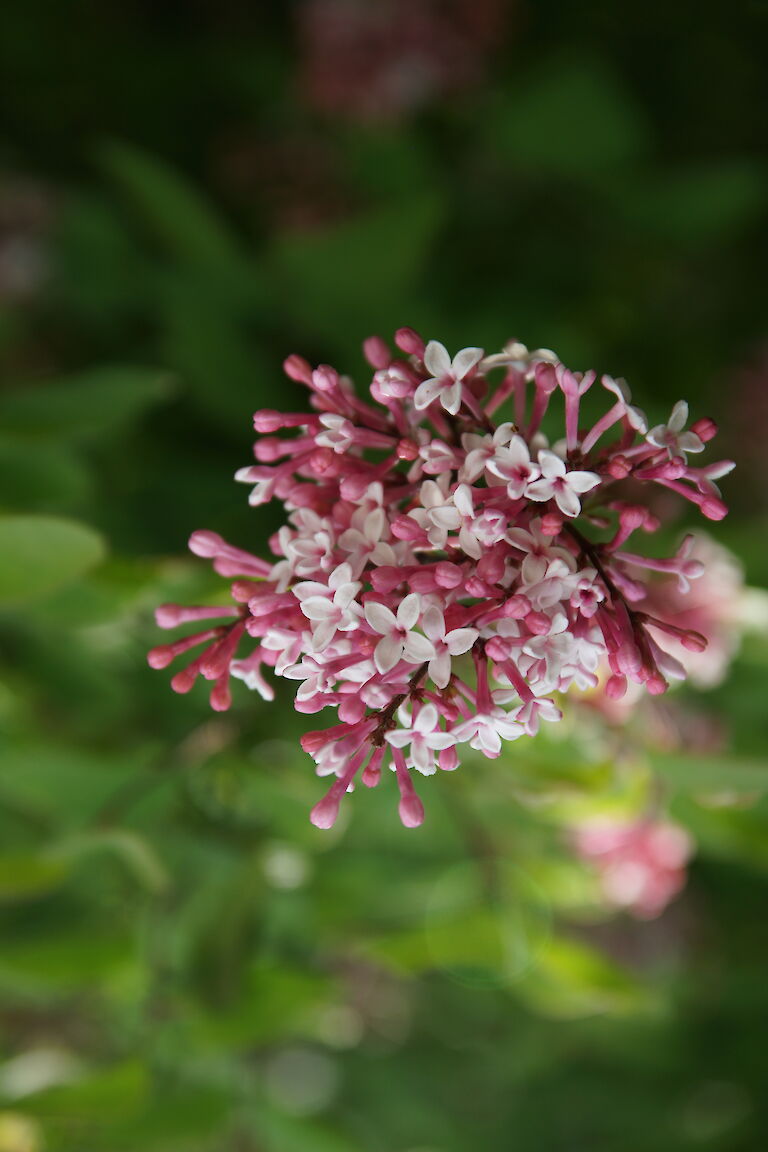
(188, 192)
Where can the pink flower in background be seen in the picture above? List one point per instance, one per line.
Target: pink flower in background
(385, 60)
(715, 604)
(439, 578)
(641, 865)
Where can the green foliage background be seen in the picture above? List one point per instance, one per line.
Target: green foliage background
(186, 965)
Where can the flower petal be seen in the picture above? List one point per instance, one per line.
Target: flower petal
(426, 721)
(433, 623)
(582, 481)
(399, 737)
(551, 465)
(451, 397)
(388, 652)
(436, 359)
(460, 640)
(464, 361)
(690, 442)
(408, 611)
(540, 490)
(380, 618)
(567, 501)
(678, 417)
(440, 668)
(426, 392)
(417, 648)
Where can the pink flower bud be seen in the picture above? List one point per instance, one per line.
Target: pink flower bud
(409, 342)
(376, 352)
(297, 368)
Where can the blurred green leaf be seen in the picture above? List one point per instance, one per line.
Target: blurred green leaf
(27, 875)
(64, 959)
(40, 476)
(712, 774)
(87, 407)
(132, 849)
(97, 1101)
(176, 213)
(359, 276)
(694, 206)
(223, 363)
(568, 118)
(571, 979)
(41, 553)
(282, 1133)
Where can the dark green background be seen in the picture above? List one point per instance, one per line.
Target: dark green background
(211, 973)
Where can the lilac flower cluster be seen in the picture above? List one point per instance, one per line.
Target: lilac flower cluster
(441, 577)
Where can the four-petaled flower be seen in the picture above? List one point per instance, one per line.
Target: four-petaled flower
(671, 435)
(512, 464)
(447, 377)
(424, 738)
(559, 484)
(332, 608)
(486, 730)
(398, 640)
(445, 644)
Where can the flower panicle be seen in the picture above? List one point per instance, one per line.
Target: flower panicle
(445, 572)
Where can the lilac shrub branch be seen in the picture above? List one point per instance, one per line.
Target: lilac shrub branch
(437, 581)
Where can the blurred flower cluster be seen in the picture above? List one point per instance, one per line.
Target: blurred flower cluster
(419, 532)
(382, 61)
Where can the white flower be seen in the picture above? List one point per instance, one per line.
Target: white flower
(424, 738)
(558, 484)
(513, 465)
(531, 711)
(317, 678)
(330, 607)
(364, 539)
(545, 656)
(517, 356)
(340, 435)
(447, 376)
(399, 641)
(438, 514)
(671, 435)
(481, 449)
(438, 457)
(478, 532)
(540, 553)
(445, 645)
(636, 417)
(486, 730)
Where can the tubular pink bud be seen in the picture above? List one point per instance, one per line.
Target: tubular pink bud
(267, 420)
(409, 341)
(326, 812)
(376, 352)
(297, 368)
(713, 508)
(206, 544)
(705, 429)
(448, 575)
(551, 524)
(616, 687)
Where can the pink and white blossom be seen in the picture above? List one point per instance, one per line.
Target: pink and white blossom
(426, 550)
(398, 641)
(558, 484)
(673, 436)
(445, 383)
(422, 738)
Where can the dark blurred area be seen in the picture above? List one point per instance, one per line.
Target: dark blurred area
(188, 193)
